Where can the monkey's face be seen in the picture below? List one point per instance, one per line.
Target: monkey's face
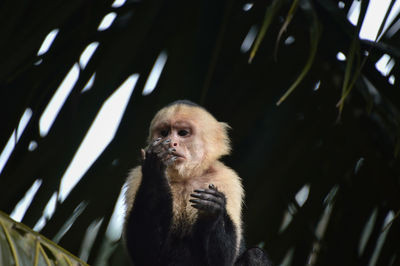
(197, 138)
(184, 139)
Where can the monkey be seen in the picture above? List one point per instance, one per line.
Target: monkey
(183, 205)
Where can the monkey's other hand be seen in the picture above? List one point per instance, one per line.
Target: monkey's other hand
(210, 202)
(158, 155)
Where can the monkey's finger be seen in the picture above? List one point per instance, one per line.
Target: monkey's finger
(210, 204)
(156, 149)
(163, 144)
(152, 146)
(206, 206)
(206, 203)
(170, 160)
(170, 150)
(166, 142)
(156, 141)
(207, 197)
(143, 153)
(210, 191)
(163, 153)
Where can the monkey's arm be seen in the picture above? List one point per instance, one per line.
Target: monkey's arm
(149, 221)
(214, 229)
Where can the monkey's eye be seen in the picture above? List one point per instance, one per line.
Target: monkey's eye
(164, 133)
(183, 132)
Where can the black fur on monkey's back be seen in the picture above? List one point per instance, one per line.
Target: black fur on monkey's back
(162, 229)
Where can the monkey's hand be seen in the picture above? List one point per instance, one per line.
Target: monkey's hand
(157, 156)
(210, 202)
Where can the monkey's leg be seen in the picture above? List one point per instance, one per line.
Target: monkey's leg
(214, 230)
(150, 218)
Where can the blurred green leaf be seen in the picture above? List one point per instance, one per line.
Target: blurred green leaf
(22, 246)
(288, 19)
(270, 14)
(351, 75)
(315, 34)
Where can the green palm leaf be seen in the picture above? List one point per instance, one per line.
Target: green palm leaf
(21, 246)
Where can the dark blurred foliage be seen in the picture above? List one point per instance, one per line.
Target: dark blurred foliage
(346, 156)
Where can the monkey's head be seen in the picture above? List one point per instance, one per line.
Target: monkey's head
(198, 138)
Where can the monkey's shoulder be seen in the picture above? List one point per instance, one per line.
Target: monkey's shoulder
(227, 180)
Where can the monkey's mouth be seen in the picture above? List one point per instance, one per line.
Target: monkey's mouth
(178, 155)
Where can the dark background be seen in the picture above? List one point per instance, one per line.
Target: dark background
(346, 156)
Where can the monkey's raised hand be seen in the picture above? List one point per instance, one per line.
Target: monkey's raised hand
(158, 155)
(210, 202)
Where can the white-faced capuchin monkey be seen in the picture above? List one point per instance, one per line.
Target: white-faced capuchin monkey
(183, 205)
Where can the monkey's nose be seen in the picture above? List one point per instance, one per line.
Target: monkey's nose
(175, 144)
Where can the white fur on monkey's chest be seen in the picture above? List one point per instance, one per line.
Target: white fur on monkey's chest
(184, 215)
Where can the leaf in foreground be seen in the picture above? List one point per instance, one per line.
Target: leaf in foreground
(20, 245)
